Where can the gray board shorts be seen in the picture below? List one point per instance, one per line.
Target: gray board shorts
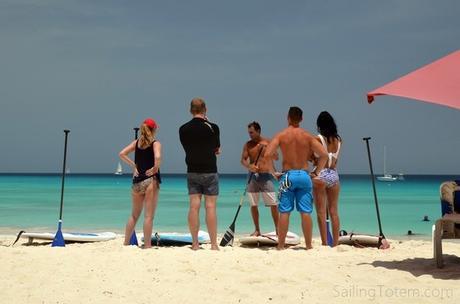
(203, 183)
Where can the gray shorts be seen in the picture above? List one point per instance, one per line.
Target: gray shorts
(262, 183)
(203, 183)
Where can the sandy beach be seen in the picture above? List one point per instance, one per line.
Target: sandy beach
(108, 272)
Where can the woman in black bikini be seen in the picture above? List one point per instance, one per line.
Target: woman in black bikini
(146, 178)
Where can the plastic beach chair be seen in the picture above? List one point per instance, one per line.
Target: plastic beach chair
(447, 227)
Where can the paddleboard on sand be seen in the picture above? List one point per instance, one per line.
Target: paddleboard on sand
(360, 240)
(178, 239)
(71, 236)
(269, 239)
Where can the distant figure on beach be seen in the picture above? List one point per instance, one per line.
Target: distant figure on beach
(426, 219)
(146, 178)
(326, 189)
(201, 141)
(296, 146)
(261, 182)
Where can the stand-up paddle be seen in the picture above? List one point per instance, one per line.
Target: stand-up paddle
(230, 233)
(58, 240)
(330, 240)
(133, 239)
(382, 240)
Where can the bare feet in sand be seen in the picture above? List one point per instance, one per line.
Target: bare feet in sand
(215, 247)
(195, 246)
(255, 233)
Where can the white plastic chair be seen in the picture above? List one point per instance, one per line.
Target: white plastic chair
(442, 230)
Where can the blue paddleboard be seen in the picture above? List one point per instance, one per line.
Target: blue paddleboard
(178, 239)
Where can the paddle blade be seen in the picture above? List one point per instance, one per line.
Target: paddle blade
(330, 241)
(133, 239)
(228, 236)
(58, 240)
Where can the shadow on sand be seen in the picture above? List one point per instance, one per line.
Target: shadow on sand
(260, 247)
(35, 244)
(422, 266)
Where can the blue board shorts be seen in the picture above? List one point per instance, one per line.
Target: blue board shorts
(295, 188)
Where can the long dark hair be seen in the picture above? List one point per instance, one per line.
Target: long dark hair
(327, 127)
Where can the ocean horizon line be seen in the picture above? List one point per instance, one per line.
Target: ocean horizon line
(456, 176)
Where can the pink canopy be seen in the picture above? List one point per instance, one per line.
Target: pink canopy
(437, 82)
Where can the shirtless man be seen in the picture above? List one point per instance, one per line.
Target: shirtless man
(261, 178)
(296, 146)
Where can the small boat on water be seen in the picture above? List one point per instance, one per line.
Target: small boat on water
(119, 170)
(386, 177)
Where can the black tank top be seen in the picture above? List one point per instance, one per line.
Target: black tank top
(144, 160)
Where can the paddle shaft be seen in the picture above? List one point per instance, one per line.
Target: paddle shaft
(329, 238)
(246, 188)
(366, 139)
(63, 173)
(133, 239)
(239, 206)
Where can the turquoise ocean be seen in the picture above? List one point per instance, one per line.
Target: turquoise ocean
(101, 202)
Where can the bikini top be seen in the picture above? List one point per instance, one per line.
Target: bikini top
(330, 154)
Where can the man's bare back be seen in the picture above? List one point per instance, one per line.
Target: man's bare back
(296, 146)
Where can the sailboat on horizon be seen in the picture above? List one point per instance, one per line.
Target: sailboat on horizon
(119, 170)
(386, 177)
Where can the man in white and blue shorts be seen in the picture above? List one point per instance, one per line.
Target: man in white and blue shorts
(261, 183)
(295, 190)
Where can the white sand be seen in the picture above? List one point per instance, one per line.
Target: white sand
(111, 273)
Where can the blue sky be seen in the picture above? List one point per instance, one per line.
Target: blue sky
(100, 67)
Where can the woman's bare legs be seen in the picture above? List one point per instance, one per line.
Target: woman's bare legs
(151, 199)
(137, 202)
(333, 199)
(319, 195)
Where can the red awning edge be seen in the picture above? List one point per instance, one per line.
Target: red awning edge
(437, 82)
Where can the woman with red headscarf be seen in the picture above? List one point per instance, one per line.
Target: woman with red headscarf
(146, 178)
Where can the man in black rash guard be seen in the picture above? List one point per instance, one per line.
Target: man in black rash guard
(201, 141)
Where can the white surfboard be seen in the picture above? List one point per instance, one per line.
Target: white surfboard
(360, 240)
(269, 239)
(71, 236)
